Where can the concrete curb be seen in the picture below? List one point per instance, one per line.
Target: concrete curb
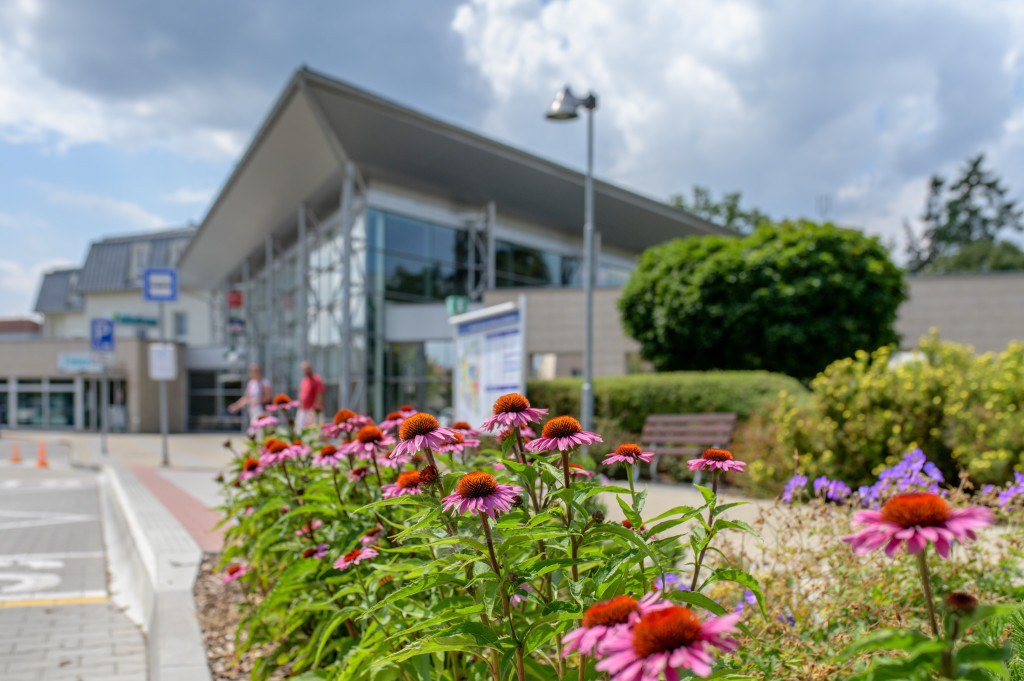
(153, 564)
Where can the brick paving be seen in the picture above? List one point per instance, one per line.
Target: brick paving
(56, 622)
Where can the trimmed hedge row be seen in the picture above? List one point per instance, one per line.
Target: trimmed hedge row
(625, 401)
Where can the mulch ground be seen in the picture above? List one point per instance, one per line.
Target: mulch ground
(219, 616)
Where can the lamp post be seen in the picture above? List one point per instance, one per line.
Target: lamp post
(565, 107)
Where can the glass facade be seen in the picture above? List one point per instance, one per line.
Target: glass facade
(517, 266)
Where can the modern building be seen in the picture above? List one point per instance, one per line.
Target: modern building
(350, 220)
(17, 329)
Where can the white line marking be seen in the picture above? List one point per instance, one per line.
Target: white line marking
(68, 555)
(55, 595)
(40, 519)
(27, 582)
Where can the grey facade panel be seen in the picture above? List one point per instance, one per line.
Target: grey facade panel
(55, 292)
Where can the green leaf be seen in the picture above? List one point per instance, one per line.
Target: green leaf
(698, 599)
(635, 520)
(885, 639)
(722, 524)
(740, 577)
(708, 495)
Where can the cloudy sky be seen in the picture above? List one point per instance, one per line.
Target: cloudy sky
(119, 116)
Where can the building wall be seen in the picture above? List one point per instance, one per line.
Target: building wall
(38, 359)
(554, 324)
(983, 310)
(104, 305)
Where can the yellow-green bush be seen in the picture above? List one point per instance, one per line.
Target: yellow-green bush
(867, 411)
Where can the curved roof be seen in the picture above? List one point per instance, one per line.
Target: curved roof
(318, 123)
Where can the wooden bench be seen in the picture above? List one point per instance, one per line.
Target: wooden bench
(685, 435)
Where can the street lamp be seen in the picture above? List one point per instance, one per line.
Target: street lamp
(565, 107)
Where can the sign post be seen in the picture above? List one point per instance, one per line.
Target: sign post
(160, 285)
(101, 342)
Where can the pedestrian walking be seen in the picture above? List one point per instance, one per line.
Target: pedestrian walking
(255, 397)
(311, 398)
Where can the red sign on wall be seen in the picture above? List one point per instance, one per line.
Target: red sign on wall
(235, 299)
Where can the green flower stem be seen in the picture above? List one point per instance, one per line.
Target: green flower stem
(707, 540)
(922, 564)
(568, 517)
(337, 487)
(520, 668)
(521, 455)
(631, 473)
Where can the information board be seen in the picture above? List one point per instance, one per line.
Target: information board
(490, 360)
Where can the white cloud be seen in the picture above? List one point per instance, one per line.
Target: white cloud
(189, 196)
(104, 206)
(20, 283)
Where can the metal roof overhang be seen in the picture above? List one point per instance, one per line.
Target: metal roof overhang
(319, 122)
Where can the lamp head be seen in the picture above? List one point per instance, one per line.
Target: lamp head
(563, 108)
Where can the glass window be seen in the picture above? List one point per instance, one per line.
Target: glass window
(29, 410)
(180, 326)
(62, 410)
(405, 235)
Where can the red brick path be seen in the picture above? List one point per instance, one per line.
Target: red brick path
(190, 512)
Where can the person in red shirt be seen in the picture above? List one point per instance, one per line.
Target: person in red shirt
(311, 398)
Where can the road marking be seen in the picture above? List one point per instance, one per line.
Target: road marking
(64, 598)
(67, 555)
(40, 519)
(27, 582)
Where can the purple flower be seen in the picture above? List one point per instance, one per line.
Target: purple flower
(796, 484)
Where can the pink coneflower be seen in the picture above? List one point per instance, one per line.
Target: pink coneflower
(562, 433)
(525, 431)
(408, 410)
(601, 618)
(716, 459)
(345, 421)
(665, 640)
(299, 449)
(518, 598)
(500, 467)
(329, 455)
(916, 519)
(308, 529)
(282, 401)
(277, 451)
(261, 423)
(463, 428)
(355, 557)
(407, 483)
(479, 492)
(372, 537)
(421, 431)
(369, 440)
(628, 454)
(251, 467)
(386, 461)
(392, 421)
(357, 474)
(317, 552)
(578, 470)
(512, 410)
(234, 572)
(455, 445)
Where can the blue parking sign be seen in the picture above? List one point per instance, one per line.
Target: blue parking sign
(102, 335)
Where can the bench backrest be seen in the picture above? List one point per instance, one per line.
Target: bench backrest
(687, 434)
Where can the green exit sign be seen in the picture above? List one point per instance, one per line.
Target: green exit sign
(456, 305)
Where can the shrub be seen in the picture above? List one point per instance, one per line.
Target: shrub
(867, 411)
(625, 401)
(789, 298)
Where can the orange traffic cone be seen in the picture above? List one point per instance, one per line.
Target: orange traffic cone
(15, 453)
(41, 456)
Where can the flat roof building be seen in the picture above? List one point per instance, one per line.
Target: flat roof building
(350, 220)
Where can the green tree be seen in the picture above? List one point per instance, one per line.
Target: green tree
(963, 222)
(726, 211)
(790, 298)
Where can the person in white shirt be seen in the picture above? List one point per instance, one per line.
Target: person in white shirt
(256, 395)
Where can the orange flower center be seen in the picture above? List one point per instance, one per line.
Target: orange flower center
(407, 407)
(369, 434)
(394, 416)
(360, 471)
(615, 611)
(352, 555)
(373, 533)
(282, 399)
(428, 475)
(269, 441)
(408, 479)
(477, 484)
(628, 450)
(716, 455)
(234, 569)
(308, 552)
(918, 509)
(343, 415)
(277, 446)
(329, 450)
(561, 426)
(511, 404)
(577, 466)
(250, 464)
(457, 439)
(461, 425)
(664, 630)
(418, 424)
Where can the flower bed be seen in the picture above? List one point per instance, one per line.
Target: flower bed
(400, 550)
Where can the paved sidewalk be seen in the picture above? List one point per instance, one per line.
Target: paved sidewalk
(56, 619)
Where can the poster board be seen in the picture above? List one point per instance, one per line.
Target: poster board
(490, 359)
